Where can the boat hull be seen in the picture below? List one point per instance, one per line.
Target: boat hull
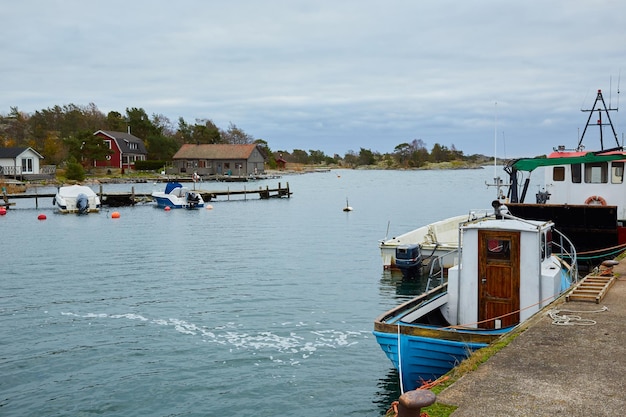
(419, 359)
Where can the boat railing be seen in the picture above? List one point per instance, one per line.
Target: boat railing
(437, 272)
(564, 249)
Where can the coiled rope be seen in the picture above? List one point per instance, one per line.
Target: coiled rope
(572, 320)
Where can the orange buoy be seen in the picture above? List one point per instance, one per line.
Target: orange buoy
(167, 208)
(41, 217)
(115, 215)
(3, 211)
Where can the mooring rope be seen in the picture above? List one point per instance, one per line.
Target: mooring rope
(400, 363)
(572, 320)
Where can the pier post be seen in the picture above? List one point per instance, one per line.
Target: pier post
(100, 193)
(411, 403)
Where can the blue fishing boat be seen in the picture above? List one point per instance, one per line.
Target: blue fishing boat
(508, 270)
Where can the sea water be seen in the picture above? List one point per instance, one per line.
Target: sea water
(251, 308)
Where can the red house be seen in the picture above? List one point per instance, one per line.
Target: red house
(126, 150)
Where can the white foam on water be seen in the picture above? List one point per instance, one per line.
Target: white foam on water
(301, 343)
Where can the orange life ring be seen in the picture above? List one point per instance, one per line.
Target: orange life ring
(596, 200)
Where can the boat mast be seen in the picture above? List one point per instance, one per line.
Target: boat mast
(602, 108)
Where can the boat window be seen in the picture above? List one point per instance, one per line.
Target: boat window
(558, 174)
(596, 173)
(543, 246)
(576, 174)
(617, 172)
(549, 243)
(498, 249)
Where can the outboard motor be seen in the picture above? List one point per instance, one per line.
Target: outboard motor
(193, 199)
(409, 260)
(82, 203)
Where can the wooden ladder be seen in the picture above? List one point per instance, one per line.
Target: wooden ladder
(591, 288)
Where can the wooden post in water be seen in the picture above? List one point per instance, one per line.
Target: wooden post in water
(132, 195)
(100, 193)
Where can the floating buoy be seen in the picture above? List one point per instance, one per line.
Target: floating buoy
(41, 217)
(3, 211)
(209, 207)
(347, 207)
(167, 208)
(115, 215)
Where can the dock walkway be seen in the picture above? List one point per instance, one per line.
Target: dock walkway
(117, 199)
(550, 370)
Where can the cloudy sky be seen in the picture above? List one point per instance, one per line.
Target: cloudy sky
(335, 76)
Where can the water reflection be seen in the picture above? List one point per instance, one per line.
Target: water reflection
(394, 285)
(388, 391)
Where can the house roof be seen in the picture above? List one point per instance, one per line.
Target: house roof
(124, 140)
(16, 151)
(214, 151)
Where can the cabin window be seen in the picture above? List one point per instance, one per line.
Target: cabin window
(576, 174)
(546, 244)
(498, 249)
(558, 174)
(617, 172)
(596, 173)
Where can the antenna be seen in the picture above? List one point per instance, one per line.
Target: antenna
(495, 143)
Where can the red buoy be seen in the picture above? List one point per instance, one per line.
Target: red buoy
(115, 215)
(41, 217)
(3, 211)
(167, 208)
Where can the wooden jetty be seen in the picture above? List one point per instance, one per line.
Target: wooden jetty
(119, 199)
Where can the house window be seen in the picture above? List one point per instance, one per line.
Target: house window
(108, 143)
(27, 165)
(617, 172)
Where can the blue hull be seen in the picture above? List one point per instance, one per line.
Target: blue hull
(423, 358)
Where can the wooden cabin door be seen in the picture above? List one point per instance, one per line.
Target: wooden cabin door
(498, 277)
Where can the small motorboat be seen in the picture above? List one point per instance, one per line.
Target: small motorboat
(78, 199)
(177, 196)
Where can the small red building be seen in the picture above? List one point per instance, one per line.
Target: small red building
(126, 150)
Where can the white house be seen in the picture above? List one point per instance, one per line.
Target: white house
(19, 161)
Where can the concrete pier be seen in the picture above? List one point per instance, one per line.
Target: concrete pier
(550, 369)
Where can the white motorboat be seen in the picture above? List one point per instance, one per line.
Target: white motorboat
(78, 199)
(177, 196)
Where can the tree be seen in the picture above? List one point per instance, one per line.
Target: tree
(86, 148)
(236, 136)
(366, 157)
(300, 156)
(316, 157)
(203, 131)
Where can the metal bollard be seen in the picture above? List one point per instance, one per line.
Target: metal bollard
(410, 403)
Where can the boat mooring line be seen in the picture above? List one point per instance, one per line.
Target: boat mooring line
(400, 362)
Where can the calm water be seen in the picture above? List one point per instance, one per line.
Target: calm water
(254, 308)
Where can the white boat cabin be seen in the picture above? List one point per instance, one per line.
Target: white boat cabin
(506, 274)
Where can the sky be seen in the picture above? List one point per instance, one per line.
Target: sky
(485, 76)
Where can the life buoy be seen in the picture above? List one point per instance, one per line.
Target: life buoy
(596, 200)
